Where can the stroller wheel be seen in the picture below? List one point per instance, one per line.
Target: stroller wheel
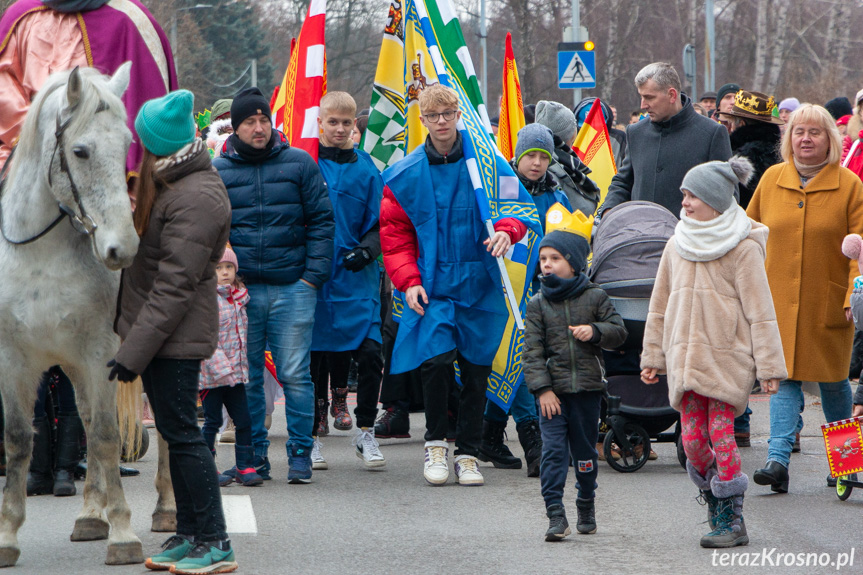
(634, 448)
(681, 454)
(843, 491)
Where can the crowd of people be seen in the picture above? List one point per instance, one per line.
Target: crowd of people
(385, 282)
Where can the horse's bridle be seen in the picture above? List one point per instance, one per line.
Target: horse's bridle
(84, 223)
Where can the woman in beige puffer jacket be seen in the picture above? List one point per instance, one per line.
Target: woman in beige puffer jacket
(712, 328)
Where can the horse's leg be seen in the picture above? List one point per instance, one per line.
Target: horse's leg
(165, 514)
(103, 455)
(19, 397)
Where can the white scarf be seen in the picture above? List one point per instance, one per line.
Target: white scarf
(698, 241)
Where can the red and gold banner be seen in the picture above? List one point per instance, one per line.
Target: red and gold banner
(511, 105)
(844, 443)
(296, 107)
(593, 146)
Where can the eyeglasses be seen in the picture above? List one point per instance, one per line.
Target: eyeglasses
(448, 116)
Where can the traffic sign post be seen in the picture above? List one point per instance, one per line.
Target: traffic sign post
(576, 69)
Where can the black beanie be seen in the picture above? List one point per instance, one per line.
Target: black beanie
(730, 88)
(248, 103)
(573, 247)
(839, 107)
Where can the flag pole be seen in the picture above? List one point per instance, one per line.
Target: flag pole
(507, 283)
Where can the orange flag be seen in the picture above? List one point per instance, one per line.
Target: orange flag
(298, 102)
(593, 147)
(511, 106)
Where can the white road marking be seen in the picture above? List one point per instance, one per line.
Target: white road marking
(239, 515)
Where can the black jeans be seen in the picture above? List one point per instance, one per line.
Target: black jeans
(575, 432)
(172, 388)
(396, 388)
(234, 400)
(438, 375)
(335, 365)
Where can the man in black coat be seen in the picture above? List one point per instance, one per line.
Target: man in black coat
(663, 149)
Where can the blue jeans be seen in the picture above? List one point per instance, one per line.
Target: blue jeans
(523, 408)
(741, 424)
(283, 317)
(785, 409)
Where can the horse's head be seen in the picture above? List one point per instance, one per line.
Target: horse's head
(85, 126)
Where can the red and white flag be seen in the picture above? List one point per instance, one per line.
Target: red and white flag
(296, 107)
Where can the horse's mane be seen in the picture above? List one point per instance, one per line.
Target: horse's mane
(95, 92)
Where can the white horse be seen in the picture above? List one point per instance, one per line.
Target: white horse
(65, 232)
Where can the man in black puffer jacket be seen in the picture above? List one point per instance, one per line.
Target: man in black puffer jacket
(282, 232)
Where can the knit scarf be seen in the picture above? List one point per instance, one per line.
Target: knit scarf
(250, 153)
(807, 172)
(557, 289)
(698, 241)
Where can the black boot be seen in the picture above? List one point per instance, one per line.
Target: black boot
(393, 423)
(69, 429)
(558, 526)
(586, 523)
(494, 449)
(773, 474)
(40, 478)
(531, 442)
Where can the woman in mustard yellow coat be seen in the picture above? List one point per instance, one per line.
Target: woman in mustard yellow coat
(810, 203)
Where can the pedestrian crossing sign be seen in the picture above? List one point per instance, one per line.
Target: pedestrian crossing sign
(576, 69)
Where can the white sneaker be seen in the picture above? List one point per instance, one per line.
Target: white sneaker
(367, 448)
(436, 469)
(467, 471)
(318, 461)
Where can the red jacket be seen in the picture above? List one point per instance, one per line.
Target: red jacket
(401, 248)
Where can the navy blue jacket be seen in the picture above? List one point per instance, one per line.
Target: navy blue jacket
(282, 225)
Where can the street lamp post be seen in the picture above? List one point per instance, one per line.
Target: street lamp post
(174, 23)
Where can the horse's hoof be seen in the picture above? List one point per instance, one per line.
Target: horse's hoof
(9, 556)
(125, 553)
(164, 522)
(90, 529)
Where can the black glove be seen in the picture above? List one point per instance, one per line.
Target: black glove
(120, 372)
(357, 259)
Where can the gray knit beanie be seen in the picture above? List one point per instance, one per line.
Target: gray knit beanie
(557, 118)
(534, 137)
(714, 182)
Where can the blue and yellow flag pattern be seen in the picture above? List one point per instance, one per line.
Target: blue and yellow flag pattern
(498, 191)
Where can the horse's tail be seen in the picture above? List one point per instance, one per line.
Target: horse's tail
(129, 416)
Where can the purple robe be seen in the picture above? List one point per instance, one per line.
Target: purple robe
(120, 31)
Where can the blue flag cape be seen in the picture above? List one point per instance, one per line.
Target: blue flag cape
(466, 310)
(348, 309)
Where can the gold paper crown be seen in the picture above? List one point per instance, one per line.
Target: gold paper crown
(559, 218)
(749, 102)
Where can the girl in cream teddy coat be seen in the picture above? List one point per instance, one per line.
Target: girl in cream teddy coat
(712, 328)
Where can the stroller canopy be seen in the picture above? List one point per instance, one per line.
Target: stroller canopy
(628, 246)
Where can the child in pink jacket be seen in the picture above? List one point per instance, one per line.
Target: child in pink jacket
(224, 376)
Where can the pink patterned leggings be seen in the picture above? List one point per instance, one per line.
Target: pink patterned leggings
(702, 419)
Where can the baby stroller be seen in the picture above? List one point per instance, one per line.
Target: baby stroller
(626, 253)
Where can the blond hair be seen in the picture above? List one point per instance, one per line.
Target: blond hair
(437, 96)
(812, 114)
(338, 102)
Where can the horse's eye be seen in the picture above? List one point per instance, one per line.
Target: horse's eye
(81, 152)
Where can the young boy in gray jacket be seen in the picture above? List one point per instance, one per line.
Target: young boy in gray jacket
(567, 324)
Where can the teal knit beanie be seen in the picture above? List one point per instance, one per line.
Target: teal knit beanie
(165, 125)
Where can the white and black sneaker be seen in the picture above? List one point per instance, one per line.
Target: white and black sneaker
(367, 448)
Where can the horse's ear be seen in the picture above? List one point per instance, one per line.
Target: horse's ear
(73, 88)
(120, 80)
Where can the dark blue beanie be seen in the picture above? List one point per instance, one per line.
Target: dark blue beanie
(573, 247)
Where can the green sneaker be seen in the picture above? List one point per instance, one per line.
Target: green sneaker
(174, 549)
(207, 557)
